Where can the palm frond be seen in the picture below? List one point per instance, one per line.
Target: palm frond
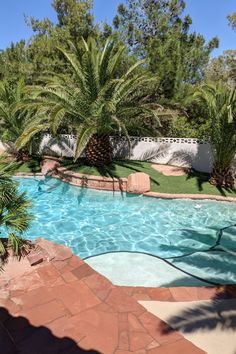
(83, 136)
(91, 97)
(29, 133)
(15, 217)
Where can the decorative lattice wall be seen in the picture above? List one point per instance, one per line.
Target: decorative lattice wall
(194, 153)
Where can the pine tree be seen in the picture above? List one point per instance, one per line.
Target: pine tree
(158, 31)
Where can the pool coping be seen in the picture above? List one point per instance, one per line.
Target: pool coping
(189, 196)
(91, 181)
(118, 184)
(84, 180)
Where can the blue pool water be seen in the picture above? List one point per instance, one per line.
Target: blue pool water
(93, 222)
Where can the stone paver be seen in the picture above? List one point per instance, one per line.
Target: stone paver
(45, 313)
(63, 306)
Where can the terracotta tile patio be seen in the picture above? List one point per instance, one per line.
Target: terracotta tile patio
(61, 305)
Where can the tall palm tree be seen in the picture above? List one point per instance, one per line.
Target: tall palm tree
(14, 211)
(219, 105)
(94, 103)
(13, 119)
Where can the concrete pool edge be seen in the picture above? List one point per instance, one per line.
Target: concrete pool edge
(190, 196)
(60, 255)
(102, 185)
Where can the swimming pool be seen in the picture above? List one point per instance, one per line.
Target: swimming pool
(182, 232)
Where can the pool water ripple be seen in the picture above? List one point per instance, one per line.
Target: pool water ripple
(91, 222)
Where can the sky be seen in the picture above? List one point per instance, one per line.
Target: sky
(209, 18)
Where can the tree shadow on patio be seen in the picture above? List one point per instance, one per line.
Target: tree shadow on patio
(18, 336)
(204, 316)
(214, 314)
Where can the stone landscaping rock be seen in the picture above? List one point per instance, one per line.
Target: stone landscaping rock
(138, 183)
(49, 166)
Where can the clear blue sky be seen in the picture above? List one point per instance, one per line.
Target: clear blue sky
(209, 18)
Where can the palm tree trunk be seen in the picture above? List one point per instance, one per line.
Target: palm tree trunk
(99, 151)
(223, 178)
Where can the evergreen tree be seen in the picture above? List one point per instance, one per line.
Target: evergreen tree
(14, 62)
(232, 20)
(40, 56)
(223, 68)
(157, 29)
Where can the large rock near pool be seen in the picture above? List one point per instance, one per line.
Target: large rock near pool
(49, 166)
(138, 183)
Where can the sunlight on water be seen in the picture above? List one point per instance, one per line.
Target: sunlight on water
(92, 222)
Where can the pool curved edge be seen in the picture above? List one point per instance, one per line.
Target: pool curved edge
(109, 184)
(190, 196)
(174, 267)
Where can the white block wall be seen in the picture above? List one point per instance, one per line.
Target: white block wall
(174, 151)
(64, 145)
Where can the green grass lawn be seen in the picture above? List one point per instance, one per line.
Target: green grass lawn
(192, 183)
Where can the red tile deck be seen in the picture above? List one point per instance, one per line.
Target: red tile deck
(63, 306)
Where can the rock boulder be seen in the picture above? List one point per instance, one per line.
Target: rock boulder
(138, 183)
(49, 166)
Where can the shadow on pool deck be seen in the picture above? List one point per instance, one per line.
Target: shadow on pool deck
(18, 336)
(208, 324)
(219, 313)
(211, 324)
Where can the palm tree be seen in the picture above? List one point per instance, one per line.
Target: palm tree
(13, 119)
(219, 105)
(14, 211)
(94, 103)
